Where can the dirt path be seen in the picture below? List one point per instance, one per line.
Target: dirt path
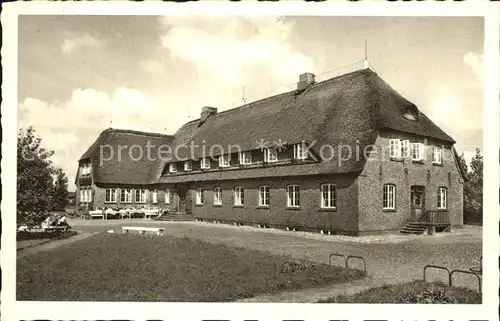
(313, 295)
(51, 245)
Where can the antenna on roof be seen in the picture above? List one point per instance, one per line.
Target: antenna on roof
(243, 98)
(366, 64)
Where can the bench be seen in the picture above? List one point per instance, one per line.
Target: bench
(97, 213)
(55, 228)
(143, 229)
(151, 213)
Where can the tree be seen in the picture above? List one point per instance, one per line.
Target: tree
(462, 163)
(473, 187)
(475, 183)
(60, 191)
(34, 178)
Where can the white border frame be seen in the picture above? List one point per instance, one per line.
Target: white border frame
(13, 310)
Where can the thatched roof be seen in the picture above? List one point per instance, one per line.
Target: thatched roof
(125, 167)
(345, 110)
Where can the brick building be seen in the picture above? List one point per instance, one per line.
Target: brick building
(347, 155)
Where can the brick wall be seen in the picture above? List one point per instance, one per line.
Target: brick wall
(100, 197)
(379, 171)
(309, 215)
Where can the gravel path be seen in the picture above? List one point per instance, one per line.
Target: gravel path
(52, 244)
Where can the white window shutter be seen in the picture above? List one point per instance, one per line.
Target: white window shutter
(398, 148)
(422, 150)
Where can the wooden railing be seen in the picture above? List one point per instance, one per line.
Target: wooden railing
(435, 217)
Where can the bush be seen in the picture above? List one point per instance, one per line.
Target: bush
(429, 296)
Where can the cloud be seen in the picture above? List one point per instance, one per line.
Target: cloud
(152, 67)
(475, 62)
(236, 51)
(75, 43)
(70, 127)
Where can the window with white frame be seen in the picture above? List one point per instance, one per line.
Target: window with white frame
(126, 196)
(389, 198)
(417, 151)
(264, 195)
(239, 196)
(395, 148)
(110, 195)
(442, 198)
(270, 155)
(405, 148)
(217, 195)
(89, 195)
(205, 163)
(167, 196)
(188, 166)
(85, 169)
(200, 196)
(245, 158)
(140, 196)
(172, 168)
(154, 197)
(437, 155)
(300, 151)
(328, 196)
(293, 196)
(224, 161)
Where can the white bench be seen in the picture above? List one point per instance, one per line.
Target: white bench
(97, 213)
(55, 228)
(151, 213)
(143, 229)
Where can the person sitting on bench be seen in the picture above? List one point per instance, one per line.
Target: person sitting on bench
(62, 221)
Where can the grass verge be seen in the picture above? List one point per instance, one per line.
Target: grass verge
(30, 239)
(413, 292)
(117, 267)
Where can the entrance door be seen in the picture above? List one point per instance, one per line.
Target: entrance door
(182, 193)
(417, 202)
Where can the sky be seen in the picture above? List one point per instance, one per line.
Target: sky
(79, 75)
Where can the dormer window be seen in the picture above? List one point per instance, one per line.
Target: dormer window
(245, 158)
(270, 155)
(300, 151)
(224, 161)
(205, 163)
(411, 113)
(172, 168)
(85, 169)
(188, 166)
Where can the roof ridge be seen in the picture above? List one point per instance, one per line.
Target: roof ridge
(134, 132)
(282, 94)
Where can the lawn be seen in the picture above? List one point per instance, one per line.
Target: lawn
(29, 239)
(413, 292)
(117, 267)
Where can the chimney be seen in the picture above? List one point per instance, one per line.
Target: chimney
(207, 112)
(305, 80)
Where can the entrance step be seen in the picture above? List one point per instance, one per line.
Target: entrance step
(176, 217)
(416, 228)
